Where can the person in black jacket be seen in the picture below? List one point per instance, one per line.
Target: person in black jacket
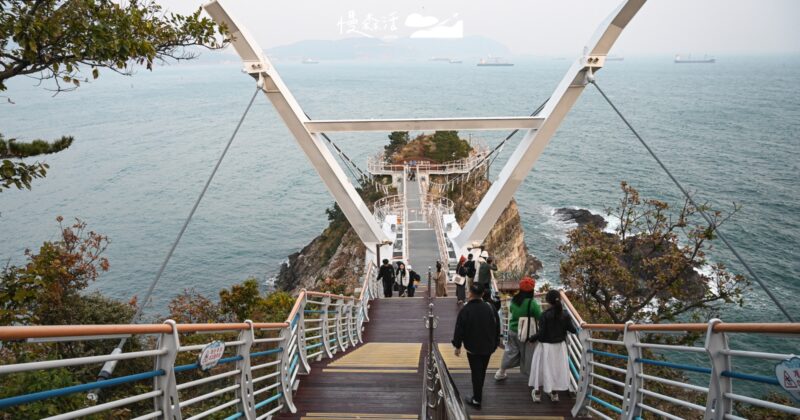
(478, 329)
(471, 271)
(386, 276)
(549, 366)
(413, 280)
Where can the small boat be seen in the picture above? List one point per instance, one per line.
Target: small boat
(454, 61)
(688, 60)
(493, 62)
(440, 59)
(310, 61)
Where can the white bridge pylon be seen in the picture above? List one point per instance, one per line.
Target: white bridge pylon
(539, 129)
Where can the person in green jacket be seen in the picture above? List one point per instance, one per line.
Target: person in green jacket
(518, 351)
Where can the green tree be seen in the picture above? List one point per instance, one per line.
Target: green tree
(653, 268)
(397, 140)
(18, 173)
(447, 146)
(64, 41)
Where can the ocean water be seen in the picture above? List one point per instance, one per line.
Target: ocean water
(145, 145)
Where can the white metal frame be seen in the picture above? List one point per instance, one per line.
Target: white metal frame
(539, 129)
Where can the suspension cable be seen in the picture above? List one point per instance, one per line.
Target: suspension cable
(691, 200)
(108, 368)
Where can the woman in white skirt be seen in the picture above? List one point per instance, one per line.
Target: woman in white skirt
(549, 366)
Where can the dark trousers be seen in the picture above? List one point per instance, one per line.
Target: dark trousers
(387, 288)
(477, 365)
(411, 290)
(461, 293)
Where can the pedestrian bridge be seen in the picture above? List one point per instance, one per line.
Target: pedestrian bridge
(368, 357)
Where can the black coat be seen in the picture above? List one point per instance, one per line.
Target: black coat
(386, 273)
(553, 327)
(470, 266)
(477, 328)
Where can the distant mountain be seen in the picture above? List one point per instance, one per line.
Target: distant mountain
(467, 48)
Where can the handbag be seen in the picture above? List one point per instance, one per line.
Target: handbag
(525, 328)
(459, 279)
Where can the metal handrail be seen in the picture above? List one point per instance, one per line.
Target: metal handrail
(450, 405)
(315, 328)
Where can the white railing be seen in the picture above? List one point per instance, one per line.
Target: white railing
(621, 365)
(255, 378)
(377, 165)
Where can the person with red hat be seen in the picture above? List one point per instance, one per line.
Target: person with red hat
(525, 312)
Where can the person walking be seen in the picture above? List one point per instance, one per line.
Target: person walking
(441, 280)
(471, 271)
(460, 280)
(401, 278)
(519, 351)
(478, 330)
(413, 281)
(549, 365)
(486, 266)
(386, 276)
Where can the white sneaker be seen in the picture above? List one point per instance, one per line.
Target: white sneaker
(500, 375)
(554, 396)
(536, 395)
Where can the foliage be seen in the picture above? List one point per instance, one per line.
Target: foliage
(447, 146)
(46, 288)
(190, 307)
(241, 300)
(397, 140)
(20, 174)
(650, 270)
(57, 40)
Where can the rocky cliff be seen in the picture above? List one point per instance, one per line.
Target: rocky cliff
(506, 240)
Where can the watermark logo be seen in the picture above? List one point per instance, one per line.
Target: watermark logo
(372, 25)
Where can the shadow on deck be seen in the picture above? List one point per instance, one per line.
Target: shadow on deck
(383, 378)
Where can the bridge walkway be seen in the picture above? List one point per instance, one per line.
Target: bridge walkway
(383, 378)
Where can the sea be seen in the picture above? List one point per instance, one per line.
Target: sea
(144, 146)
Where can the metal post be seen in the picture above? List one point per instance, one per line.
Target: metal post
(286, 361)
(581, 400)
(430, 295)
(244, 380)
(632, 396)
(717, 406)
(339, 341)
(305, 368)
(348, 307)
(168, 402)
(325, 331)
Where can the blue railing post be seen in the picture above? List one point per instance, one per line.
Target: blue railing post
(286, 361)
(325, 331)
(632, 396)
(717, 406)
(168, 402)
(245, 378)
(583, 391)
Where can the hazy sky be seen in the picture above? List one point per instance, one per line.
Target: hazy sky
(548, 27)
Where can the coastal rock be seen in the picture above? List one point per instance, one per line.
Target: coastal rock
(506, 240)
(580, 216)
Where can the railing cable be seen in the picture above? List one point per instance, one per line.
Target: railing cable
(691, 200)
(108, 368)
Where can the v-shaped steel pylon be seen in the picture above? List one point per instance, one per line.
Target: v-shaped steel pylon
(539, 128)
